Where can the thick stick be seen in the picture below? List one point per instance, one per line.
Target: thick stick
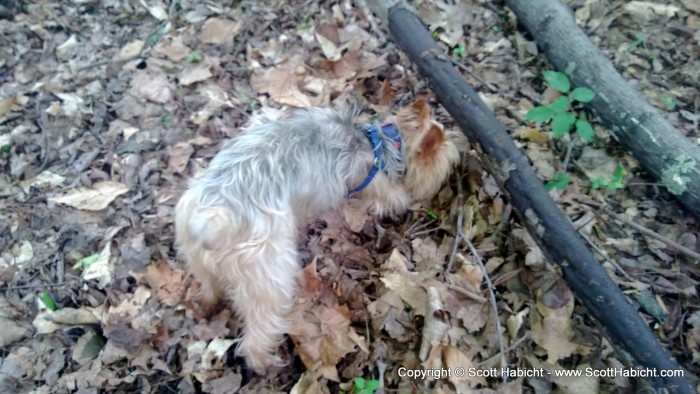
(638, 126)
(545, 222)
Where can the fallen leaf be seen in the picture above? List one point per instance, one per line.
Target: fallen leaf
(179, 156)
(153, 87)
(101, 269)
(173, 47)
(195, 72)
(96, 198)
(167, 283)
(219, 31)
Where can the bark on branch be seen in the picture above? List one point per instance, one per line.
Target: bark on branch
(545, 222)
(638, 126)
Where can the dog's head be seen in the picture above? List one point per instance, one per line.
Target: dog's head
(429, 151)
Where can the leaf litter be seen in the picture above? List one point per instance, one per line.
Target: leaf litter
(102, 124)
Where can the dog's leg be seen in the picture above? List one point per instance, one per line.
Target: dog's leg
(261, 285)
(210, 291)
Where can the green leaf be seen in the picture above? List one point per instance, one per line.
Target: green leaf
(584, 129)
(557, 80)
(155, 37)
(371, 385)
(560, 105)
(560, 180)
(6, 148)
(85, 261)
(539, 114)
(618, 178)
(194, 57)
(460, 51)
(562, 123)
(430, 213)
(668, 102)
(48, 301)
(582, 95)
(165, 119)
(599, 182)
(358, 384)
(638, 40)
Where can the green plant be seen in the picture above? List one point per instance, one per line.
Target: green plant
(194, 57)
(85, 261)
(564, 117)
(668, 102)
(165, 120)
(48, 301)
(612, 183)
(364, 386)
(560, 111)
(460, 51)
(155, 37)
(639, 39)
(560, 180)
(305, 23)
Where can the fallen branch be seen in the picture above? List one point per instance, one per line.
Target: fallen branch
(544, 220)
(637, 125)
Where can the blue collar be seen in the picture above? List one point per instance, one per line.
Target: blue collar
(375, 141)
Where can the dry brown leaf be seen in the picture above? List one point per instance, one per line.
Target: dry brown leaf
(310, 283)
(12, 331)
(96, 198)
(429, 258)
(327, 37)
(153, 87)
(435, 326)
(455, 358)
(131, 49)
(179, 156)
(173, 47)
(167, 283)
(283, 86)
(195, 72)
(219, 31)
(229, 383)
(322, 338)
(552, 331)
(306, 384)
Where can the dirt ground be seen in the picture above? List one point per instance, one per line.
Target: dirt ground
(108, 107)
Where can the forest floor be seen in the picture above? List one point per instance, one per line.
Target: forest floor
(108, 107)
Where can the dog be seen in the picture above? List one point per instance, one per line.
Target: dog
(236, 226)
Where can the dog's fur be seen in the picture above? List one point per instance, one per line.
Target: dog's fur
(236, 225)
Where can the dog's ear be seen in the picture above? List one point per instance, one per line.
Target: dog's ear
(431, 141)
(420, 109)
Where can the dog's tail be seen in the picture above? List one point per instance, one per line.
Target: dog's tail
(198, 225)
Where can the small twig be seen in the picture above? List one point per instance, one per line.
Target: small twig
(110, 61)
(22, 287)
(569, 148)
(460, 216)
(424, 232)
(146, 45)
(605, 256)
(468, 293)
(508, 349)
(419, 225)
(674, 245)
(466, 69)
(43, 124)
(492, 295)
